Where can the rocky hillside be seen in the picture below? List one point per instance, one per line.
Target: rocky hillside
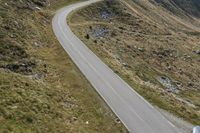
(152, 44)
(41, 90)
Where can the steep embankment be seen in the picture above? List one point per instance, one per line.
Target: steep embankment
(40, 88)
(154, 48)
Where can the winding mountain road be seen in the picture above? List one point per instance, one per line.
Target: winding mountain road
(136, 113)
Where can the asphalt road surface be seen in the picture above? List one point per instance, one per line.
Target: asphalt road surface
(135, 113)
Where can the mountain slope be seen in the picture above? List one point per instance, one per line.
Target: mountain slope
(154, 48)
(41, 89)
(182, 7)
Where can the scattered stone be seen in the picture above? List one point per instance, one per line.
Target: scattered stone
(14, 107)
(197, 52)
(13, 36)
(169, 84)
(129, 46)
(87, 36)
(169, 68)
(39, 76)
(141, 49)
(106, 15)
(68, 104)
(25, 67)
(117, 72)
(117, 120)
(122, 28)
(190, 84)
(177, 83)
(95, 41)
(186, 57)
(31, 6)
(100, 32)
(124, 64)
(37, 45)
(74, 118)
(42, 3)
(163, 53)
(37, 8)
(35, 4)
(118, 58)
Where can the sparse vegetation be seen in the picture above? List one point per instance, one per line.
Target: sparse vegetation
(41, 89)
(144, 43)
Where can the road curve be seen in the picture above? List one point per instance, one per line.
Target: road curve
(135, 113)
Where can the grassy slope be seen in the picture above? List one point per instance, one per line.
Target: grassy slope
(56, 4)
(153, 43)
(191, 7)
(41, 89)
